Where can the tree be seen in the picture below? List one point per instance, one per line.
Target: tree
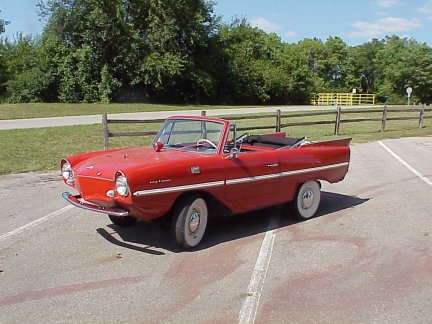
(3, 24)
(314, 52)
(401, 63)
(112, 46)
(260, 68)
(362, 68)
(334, 63)
(178, 51)
(3, 72)
(23, 82)
(419, 66)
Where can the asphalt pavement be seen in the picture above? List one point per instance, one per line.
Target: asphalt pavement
(366, 257)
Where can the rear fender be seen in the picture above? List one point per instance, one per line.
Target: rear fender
(337, 142)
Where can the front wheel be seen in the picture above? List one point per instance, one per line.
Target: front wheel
(190, 221)
(307, 200)
(122, 221)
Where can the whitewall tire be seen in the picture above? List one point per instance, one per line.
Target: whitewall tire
(190, 221)
(307, 200)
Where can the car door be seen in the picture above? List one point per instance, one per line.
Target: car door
(252, 180)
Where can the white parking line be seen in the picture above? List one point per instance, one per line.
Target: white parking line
(409, 167)
(34, 223)
(250, 305)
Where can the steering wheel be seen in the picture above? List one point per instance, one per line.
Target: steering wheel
(204, 140)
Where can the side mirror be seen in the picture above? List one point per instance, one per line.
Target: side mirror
(158, 146)
(234, 153)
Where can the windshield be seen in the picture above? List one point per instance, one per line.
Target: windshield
(192, 135)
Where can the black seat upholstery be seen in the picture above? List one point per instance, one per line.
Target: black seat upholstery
(271, 141)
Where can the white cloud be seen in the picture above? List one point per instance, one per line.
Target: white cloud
(290, 34)
(265, 25)
(382, 27)
(426, 9)
(388, 3)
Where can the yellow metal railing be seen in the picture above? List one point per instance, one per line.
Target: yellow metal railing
(343, 99)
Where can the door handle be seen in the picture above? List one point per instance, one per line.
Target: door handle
(273, 165)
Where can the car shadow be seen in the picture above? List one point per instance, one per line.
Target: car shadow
(153, 239)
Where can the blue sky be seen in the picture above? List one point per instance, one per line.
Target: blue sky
(355, 21)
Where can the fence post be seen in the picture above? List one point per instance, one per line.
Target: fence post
(278, 120)
(384, 119)
(338, 119)
(105, 131)
(421, 116)
(203, 113)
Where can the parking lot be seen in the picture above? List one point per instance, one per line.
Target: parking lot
(366, 257)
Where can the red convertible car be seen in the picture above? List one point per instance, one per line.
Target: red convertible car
(198, 167)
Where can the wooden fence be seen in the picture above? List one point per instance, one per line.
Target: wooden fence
(385, 116)
(280, 120)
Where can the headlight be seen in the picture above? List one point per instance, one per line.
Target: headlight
(66, 170)
(122, 185)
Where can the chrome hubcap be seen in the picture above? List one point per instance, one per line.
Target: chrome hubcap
(307, 198)
(194, 221)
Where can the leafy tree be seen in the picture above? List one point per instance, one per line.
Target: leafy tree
(3, 24)
(401, 63)
(20, 57)
(260, 68)
(314, 52)
(245, 55)
(361, 67)
(3, 71)
(334, 64)
(419, 66)
(113, 45)
(178, 51)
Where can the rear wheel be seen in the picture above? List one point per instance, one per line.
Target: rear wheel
(307, 200)
(122, 221)
(190, 221)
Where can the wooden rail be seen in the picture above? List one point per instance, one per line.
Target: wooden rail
(385, 116)
(281, 120)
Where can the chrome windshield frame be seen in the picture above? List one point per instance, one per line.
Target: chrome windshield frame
(220, 141)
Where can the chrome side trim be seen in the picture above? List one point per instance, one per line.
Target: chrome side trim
(236, 181)
(75, 200)
(253, 179)
(309, 170)
(285, 174)
(179, 188)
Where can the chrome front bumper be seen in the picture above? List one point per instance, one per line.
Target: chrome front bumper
(75, 200)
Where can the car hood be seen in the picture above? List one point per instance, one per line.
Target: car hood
(106, 164)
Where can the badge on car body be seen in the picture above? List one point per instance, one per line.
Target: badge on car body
(195, 170)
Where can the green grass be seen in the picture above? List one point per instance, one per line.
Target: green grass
(43, 110)
(25, 150)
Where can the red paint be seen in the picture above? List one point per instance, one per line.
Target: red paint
(147, 170)
(158, 146)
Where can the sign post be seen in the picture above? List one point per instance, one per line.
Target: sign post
(409, 91)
